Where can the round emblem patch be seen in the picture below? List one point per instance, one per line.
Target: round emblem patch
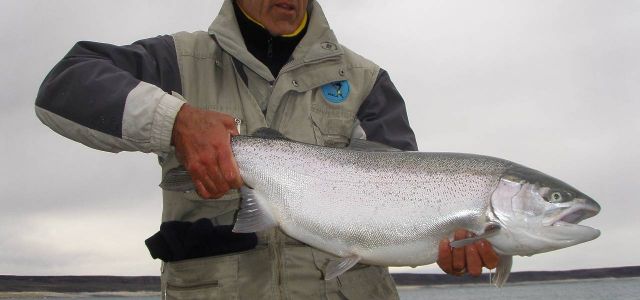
(336, 92)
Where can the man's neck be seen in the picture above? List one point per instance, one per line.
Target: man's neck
(272, 51)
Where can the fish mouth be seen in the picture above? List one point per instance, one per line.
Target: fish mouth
(571, 216)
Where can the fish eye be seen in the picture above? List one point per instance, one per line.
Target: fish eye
(556, 197)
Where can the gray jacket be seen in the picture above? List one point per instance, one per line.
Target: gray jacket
(125, 98)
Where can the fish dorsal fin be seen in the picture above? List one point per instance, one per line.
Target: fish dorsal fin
(336, 268)
(503, 270)
(269, 133)
(364, 145)
(490, 230)
(254, 215)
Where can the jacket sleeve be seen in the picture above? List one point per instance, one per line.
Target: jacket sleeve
(114, 98)
(383, 116)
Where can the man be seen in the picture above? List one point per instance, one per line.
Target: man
(271, 63)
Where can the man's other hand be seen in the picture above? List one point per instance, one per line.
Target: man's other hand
(468, 259)
(202, 139)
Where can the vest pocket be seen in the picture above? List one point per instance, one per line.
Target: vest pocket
(204, 291)
(368, 282)
(331, 128)
(361, 282)
(202, 278)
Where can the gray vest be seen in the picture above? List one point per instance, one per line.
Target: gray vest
(218, 73)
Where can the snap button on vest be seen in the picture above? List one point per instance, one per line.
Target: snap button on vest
(328, 46)
(295, 83)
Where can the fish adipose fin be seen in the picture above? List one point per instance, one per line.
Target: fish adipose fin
(253, 216)
(490, 230)
(336, 268)
(364, 145)
(503, 270)
(177, 180)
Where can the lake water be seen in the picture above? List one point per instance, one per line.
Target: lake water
(592, 289)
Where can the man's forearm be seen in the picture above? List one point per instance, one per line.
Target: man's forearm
(383, 116)
(114, 98)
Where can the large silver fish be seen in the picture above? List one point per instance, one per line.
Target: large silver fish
(392, 208)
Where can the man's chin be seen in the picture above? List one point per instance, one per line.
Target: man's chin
(282, 28)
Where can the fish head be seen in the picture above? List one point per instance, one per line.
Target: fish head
(538, 213)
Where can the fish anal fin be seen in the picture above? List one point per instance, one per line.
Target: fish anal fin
(253, 215)
(503, 270)
(490, 230)
(336, 268)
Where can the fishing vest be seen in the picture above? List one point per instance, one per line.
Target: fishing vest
(314, 100)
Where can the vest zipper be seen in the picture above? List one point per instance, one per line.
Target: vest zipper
(270, 47)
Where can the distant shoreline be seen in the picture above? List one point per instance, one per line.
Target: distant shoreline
(142, 286)
(44, 295)
(402, 279)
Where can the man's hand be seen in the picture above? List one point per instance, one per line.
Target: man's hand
(203, 145)
(470, 258)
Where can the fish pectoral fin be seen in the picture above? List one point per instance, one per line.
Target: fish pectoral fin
(336, 268)
(177, 180)
(253, 215)
(490, 230)
(503, 270)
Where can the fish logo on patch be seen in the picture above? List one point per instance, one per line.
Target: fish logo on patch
(336, 92)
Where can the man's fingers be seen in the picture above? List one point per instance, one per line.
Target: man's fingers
(201, 190)
(234, 129)
(445, 260)
(202, 141)
(487, 254)
(221, 186)
(204, 186)
(458, 253)
(229, 168)
(468, 259)
(474, 263)
(229, 122)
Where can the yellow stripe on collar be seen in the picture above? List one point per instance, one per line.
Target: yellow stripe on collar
(296, 32)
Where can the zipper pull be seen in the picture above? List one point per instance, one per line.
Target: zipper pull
(238, 123)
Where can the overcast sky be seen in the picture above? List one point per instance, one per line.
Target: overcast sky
(553, 84)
